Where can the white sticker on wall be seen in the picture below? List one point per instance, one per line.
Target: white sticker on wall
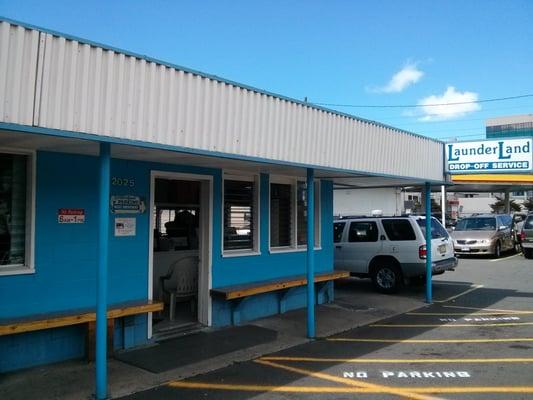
(125, 226)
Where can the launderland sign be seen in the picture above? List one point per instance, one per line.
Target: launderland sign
(502, 155)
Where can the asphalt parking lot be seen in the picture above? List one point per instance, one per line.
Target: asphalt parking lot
(475, 341)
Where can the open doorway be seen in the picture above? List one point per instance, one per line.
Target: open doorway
(179, 252)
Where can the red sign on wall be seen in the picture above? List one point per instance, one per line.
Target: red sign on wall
(71, 215)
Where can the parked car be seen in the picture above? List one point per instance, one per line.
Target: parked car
(390, 249)
(484, 234)
(526, 236)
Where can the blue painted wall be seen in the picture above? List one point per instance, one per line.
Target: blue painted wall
(65, 258)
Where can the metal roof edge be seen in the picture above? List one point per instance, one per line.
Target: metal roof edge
(212, 77)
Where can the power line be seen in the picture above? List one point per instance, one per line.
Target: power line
(424, 105)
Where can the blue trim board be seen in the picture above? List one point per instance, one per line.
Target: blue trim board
(138, 143)
(209, 76)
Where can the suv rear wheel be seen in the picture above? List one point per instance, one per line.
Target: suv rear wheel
(528, 253)
(386, 276)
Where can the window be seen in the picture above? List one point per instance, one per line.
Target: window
(338, 229)
(281, 215)
(301, 200)
(240, 214)
(476, 224)
(363, 232)
(15, 211)
(437, 230)
(398, 229)
(288, 213)
(176, 215)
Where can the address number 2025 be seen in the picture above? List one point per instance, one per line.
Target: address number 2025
(128, 182)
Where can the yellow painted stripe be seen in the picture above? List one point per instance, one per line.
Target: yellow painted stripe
(400, 361)
(429, 340)
(346, 381)
(472, 314)
(475, 287)
(491, 309)
(340, 389)
(452, 325)
(493, 178)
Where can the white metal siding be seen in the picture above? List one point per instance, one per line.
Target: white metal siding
(93, 90)
(18, 64)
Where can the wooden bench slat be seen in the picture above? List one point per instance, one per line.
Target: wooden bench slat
(36, 323)
(236, 292)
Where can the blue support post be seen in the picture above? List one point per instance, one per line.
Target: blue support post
(103, 251)
(310, 253)
(429, 283)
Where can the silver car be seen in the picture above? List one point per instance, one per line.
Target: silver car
(483, 234)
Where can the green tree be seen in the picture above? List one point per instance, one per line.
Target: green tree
(498, 207)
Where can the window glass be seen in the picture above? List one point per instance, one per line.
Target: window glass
(280, 215)
(529, 223)
(363, 232)
(301, 209)
(437, 230)
(398, 229)
(476, 224)
(238, 215)
(338, 228)
(176, 215)
(13, 204)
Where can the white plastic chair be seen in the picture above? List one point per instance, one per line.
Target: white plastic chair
(183, 273)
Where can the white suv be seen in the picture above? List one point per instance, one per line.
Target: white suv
(390, 249)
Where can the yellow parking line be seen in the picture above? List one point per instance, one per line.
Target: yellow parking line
(505, 258)
(491, 309)
(474, 314)
(349, 382)
(400, 361)
(429, 340)
(447, 325)
(341, 389)
(475, 287)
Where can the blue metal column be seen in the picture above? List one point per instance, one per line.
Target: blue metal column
(103, 251)
(428, 245)
(310, 253)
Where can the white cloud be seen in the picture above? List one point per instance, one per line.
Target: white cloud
(450, 109)
(401, 80)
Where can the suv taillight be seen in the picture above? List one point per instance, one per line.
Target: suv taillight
(522, 235)
(422, 252)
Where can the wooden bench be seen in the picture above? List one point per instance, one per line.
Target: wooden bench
(84, 316)
(237, 293)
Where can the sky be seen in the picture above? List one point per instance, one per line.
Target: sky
(336, 52)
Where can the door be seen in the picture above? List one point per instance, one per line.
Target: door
(362, 244)
(338, 234)
(180, 249)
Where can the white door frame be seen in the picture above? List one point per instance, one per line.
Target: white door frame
(206, 241)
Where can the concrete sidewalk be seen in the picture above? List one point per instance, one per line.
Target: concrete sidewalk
(356, 304)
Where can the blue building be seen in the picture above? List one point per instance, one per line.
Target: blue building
(115, 162)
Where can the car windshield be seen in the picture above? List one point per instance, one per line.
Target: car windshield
(437, 230)
(476, 224)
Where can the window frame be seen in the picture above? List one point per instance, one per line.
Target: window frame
(29, 258)
(293, 182)
(256, 239)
